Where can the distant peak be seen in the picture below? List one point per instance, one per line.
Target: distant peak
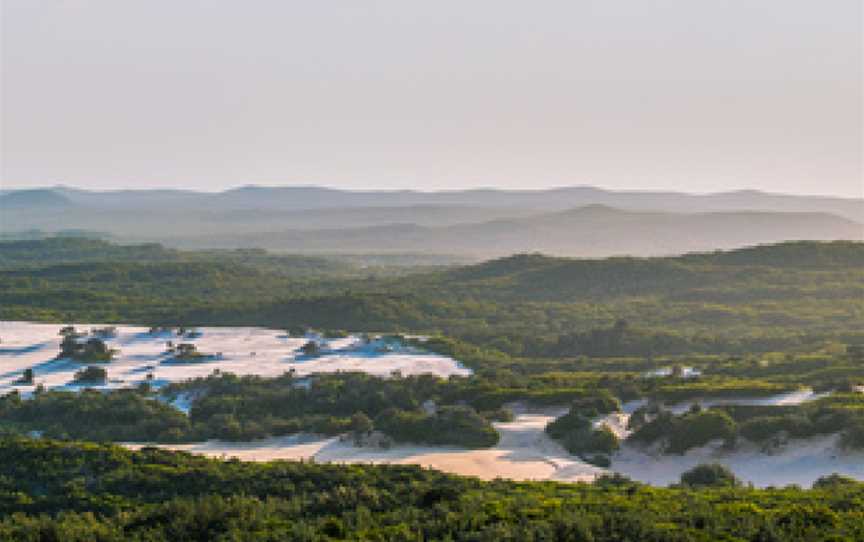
(34, 197)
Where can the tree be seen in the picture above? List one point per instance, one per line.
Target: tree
(91, 373)
(95, 348)
(186, 350)
(709, 475)
(361, 426)
(834, 481)
(26, 377)
(311, 348)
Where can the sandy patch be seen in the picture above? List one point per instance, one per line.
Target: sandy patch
(244, 351)
(800, 462)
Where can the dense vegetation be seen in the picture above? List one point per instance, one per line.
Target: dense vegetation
(234, 408)
(86, 492)
(781, 297)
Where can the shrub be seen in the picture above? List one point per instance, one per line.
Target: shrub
(764, 428)
(698, 429)
(454, 425)
(311, 348)
(834, 482)
(91, 374)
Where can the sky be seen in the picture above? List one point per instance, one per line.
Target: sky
(681, 95)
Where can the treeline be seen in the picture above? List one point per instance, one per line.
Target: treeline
(85, 492)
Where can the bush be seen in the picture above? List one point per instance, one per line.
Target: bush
(834, 482)
(698, 429)
(765, 428)
(91, 374)
(567, 424)
(311, 348)
(453, 425)
(92, 350)
(596, 404)
(577, 435)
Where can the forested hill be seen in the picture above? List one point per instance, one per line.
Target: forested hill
(69, 251)
(544, 278)
(756, 298)
(792, 254)
(798, 254)
(77, 249)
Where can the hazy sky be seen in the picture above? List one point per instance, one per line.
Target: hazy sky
(690, 95)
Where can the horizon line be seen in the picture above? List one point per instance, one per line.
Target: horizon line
(431, 191)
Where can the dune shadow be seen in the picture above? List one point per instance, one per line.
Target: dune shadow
(142, 369)
(24, 349)
(145, 336)
(55, 365)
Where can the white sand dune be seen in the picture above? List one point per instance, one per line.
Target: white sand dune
(244, 351)
(800, 462)
(526, 453)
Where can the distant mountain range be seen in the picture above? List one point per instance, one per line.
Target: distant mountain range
(574, 221)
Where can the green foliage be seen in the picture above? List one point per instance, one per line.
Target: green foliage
(577, 433)
(759, 299)
(690, 430)
(311, 348)
(710, 475)
(79, 348)
(82, 492)
(697, 429)
(123, 415)
(450, 425)
(91, 374)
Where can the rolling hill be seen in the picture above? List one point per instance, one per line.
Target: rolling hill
(575, 221)
(591, 231)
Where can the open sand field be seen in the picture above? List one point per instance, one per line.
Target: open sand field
(244, 351)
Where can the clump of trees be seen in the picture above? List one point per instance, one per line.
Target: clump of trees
(77, 346)
(91, 374)
(26, 378)
(121, 415)
(709, 475)
(361, 427)
(311, 349)
(690, 430)
(579, 437)
(449, 425)
(187, 352)
(575, 430)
